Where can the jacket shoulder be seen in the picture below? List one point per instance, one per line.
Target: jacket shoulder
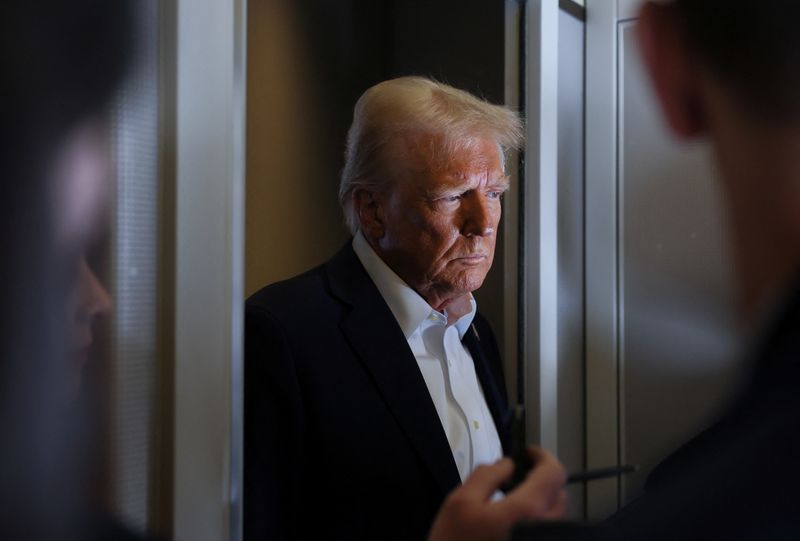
(286, 293)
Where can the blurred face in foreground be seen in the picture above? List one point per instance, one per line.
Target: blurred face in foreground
(436, 224)
(81, 180)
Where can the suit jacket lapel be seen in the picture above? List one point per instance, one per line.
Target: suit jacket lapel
(376, 337)
(491, 392)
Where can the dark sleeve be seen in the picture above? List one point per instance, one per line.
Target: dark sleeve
(273, 431)
(561, 531)
(103, 526)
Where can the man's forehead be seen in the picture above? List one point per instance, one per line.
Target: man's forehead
(461, 177)
(461, 158)
(483, 173)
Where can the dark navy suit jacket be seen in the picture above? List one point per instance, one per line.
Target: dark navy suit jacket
(342, 440)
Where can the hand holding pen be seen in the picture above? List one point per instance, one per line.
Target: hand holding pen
(471, 512)
(523, 462)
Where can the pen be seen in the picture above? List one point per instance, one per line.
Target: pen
(600, 473)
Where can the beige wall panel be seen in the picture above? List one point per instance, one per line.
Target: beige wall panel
(293, 218)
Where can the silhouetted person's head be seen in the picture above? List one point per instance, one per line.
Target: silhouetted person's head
(753, 48)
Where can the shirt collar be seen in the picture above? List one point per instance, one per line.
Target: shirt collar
(408, 307)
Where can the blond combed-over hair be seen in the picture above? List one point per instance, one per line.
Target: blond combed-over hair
(412, 107)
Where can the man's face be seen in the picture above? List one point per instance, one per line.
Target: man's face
(439, 220)
(81, 179)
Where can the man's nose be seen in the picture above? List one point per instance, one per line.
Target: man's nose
(478, 216)
(98, 300)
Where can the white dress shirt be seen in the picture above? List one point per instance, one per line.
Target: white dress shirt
(445, 364)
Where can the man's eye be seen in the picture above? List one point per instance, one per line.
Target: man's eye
(451, 198)
(497, 194)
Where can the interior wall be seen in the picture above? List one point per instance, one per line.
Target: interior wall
(571, 343)
(293, 220)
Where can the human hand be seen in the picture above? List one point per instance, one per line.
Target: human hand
(468, 514)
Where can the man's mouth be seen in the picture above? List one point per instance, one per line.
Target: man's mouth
(471, 258)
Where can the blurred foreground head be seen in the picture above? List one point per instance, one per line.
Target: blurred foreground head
(753, 48)
(728, 70)
(61, 63)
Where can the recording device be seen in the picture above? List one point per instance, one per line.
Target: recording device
(519, 450)
(523, 462)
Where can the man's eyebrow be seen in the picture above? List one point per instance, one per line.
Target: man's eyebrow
(503, 182)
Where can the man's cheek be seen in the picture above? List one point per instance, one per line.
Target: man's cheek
(490, 246)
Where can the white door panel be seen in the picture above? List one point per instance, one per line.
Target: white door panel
(660, 339)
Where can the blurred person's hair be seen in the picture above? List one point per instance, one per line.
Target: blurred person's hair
(411, 107)
(61, 63)
(752, 46)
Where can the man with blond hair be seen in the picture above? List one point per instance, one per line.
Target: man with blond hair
(373, 386)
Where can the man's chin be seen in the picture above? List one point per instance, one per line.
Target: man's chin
(464, 285)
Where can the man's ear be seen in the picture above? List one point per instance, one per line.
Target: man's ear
(676, 78)
(368, 207)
